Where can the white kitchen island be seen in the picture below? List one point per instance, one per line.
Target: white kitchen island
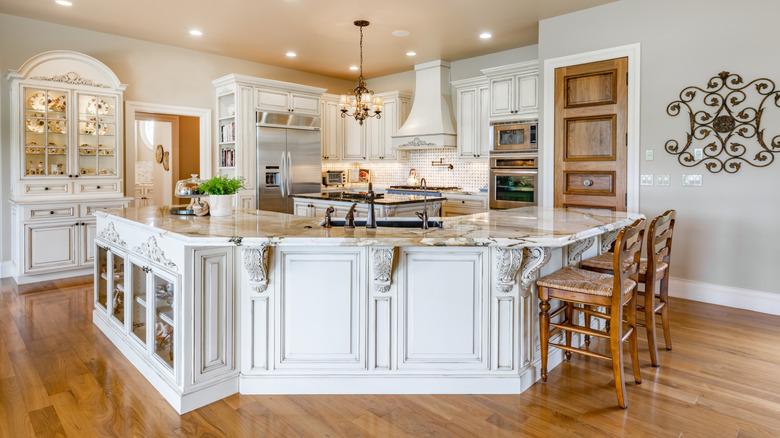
(269, 303)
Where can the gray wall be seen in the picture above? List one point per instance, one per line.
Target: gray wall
(154, 73)
(728, 230)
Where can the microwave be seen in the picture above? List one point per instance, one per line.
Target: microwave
(335, 178)
(515, 137)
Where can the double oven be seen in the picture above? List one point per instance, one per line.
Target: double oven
(514, 166)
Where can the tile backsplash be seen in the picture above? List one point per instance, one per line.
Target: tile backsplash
(469, 174)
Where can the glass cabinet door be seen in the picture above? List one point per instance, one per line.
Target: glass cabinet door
(46, 142)
(97, 135)
(102, 279)
(138, 313)
(118, 288)
(164, 293)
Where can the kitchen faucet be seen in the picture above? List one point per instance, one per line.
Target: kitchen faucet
(349, 220)
(424, 214)
(371, 217)
(328, 212)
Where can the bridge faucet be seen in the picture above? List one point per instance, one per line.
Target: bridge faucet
(424, 214)
(350, 218)
(371, 217)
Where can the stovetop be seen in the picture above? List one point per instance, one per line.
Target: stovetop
(352, 195)
(428, 188)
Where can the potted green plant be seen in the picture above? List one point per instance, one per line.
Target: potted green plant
(222, 192)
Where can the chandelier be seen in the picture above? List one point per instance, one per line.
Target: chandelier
(361, 104)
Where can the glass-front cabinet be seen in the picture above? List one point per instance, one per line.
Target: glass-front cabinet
(46, 141)
(164, 293)
(97, 142)
(139, 286)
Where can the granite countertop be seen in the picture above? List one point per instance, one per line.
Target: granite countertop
(386, 199)
(527, 226)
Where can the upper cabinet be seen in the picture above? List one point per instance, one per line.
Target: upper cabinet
(344, 138)
(66, 127)
(514, 91)
(472, 102)
(270, 99)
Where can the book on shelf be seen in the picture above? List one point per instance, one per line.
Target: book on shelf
(227, 157)
(227, 132)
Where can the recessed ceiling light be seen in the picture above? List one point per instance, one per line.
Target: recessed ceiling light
(400, 33)
(196, 32)
(411, 53)
(354, 68)
(63, 2)
(290, 54)
(485, 35)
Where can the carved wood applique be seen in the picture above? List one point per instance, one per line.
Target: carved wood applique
(71, 78)
(526, 261)
(382, 264)
(153, 252)
(534, 258)
(109, 234)
(255, 260)
(509, 260)
(576, 249)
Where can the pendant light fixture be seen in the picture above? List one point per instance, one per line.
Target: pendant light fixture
(361, 104)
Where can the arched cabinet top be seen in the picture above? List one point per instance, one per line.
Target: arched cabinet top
(68, 67)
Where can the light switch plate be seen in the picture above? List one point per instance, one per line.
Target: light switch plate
(698, 154)
(646, 180)
(649, 155)
(663, 180)
(692, 180)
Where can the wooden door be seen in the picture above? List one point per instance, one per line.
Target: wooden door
(591, 102)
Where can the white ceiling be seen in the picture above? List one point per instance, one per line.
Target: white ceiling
(320, 31)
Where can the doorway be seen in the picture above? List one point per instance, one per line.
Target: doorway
(164, 145)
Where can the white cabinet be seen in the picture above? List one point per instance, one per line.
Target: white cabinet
(354, 140)
(514, 91)
(269, 99)
(380, 132)
(332, 128)
(50, 246)
(87, 232)
(473, 117)
(459, 205)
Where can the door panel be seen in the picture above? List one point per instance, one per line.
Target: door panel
(272, 144)
(304, 164)
(591, 104)
(50, 247)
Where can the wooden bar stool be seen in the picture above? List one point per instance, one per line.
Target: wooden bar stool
(573, 286)
(659, 250)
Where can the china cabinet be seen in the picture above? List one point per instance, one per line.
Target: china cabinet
(66, 160)
(514, 91)
(472, 100)
(238, 100)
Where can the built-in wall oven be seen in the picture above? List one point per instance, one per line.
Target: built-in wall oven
(513, 180)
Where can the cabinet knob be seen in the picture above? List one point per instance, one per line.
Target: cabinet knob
(76, 175)
(45, 188)
(98, 187)
(587, 182)
(51, 212)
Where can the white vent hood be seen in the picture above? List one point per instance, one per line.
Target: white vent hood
(429, 125)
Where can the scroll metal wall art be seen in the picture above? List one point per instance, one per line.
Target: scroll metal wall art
(727, 121)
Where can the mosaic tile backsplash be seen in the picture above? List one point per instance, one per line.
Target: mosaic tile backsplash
(469, 174)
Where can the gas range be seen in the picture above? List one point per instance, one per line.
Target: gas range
(428, 188)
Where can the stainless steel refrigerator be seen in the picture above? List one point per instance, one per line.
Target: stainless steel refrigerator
(288, 159)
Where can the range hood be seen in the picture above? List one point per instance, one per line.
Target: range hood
(429, 125)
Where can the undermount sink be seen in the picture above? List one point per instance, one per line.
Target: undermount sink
(389, 223)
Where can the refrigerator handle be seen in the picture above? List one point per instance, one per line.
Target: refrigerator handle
(283, 172)
(289, 168)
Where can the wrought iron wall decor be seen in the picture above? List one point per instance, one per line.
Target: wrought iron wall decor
(727, 123)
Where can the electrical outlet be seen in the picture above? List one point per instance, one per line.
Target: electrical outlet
(646, 180)
(649, 155)
(698, 154)
(692, 180)
(663, 180)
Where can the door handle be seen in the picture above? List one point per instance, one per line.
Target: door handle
(283, 172)
(289, 169)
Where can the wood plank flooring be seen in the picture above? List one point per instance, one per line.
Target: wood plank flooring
(60, 377)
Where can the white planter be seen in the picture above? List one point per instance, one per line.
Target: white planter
(221, 205)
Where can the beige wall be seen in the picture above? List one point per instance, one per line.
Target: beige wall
(728, 232)
(153, 72)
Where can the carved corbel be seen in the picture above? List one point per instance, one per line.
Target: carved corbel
(576, 249)
(382, 264)
(508, 263)
(256, 264)
(607, 239)
(533, 259)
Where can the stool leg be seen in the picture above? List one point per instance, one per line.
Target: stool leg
(633, 340)
(569, 319)
(665, 310)
(587, 323)
(616, 347)
(650, 321)
(544, 332)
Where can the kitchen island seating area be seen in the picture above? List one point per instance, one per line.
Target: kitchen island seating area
(589, 288)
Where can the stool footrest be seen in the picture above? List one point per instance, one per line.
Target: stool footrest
(580, 329)
(580, 351)
(595, 313)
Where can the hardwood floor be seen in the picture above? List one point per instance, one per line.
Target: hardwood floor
(60, 377)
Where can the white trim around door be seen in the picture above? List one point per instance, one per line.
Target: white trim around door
(204, 116)
(632, 51)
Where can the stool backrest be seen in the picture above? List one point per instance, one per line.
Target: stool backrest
(627, 256)
(659, 240)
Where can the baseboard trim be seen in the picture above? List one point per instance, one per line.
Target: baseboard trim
(736, 297)
(6, 268)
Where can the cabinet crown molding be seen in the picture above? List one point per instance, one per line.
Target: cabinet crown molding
(69, 67)
(471, 82)
(509, 69)
(266, 83)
